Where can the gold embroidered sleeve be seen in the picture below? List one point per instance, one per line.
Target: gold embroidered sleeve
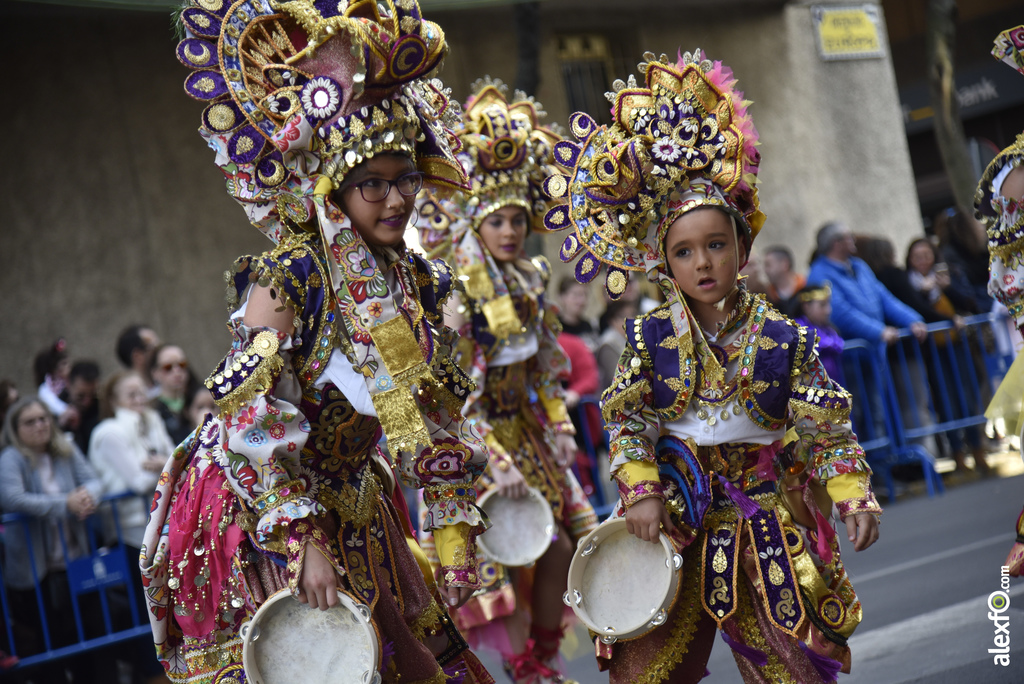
(241, 377)
(456, 551)
(852, 494)
(629, 388)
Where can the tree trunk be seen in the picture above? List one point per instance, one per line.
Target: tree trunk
(949, 130)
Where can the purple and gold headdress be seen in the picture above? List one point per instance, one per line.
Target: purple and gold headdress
(506, 154)
(300, 92)
(680, 141)
(1004, 216)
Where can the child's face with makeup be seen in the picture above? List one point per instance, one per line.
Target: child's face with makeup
(380, 223)
(702, 256)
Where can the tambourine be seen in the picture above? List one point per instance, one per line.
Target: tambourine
(620, 586)
(521, 529)
(287, 641)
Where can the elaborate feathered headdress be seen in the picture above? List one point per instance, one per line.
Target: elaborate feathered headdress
(300, 92)
(680, 141)
(506, 155)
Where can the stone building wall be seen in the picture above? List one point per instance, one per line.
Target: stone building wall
(115, 212)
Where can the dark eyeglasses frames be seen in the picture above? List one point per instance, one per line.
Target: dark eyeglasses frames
(377, 189)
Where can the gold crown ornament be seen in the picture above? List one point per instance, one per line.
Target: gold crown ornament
(506, 154)
(300, 92)
(681, 140)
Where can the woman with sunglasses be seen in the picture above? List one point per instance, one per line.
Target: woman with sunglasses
(508, 340)
(174, 383)
(338, 344)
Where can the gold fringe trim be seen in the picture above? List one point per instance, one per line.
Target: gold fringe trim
(430, 617)
(614, 403)
(683, 629)
(746, 619)
(260, 379)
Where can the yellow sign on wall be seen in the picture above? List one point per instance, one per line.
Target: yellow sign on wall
(848, 32)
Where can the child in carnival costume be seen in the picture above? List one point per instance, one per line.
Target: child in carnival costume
(325, 128)
(508, 344)
(725, 430)
(999, 203)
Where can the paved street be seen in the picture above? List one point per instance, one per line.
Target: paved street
(925, 587)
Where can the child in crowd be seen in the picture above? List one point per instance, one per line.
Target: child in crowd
(726, 432)
(813, 308)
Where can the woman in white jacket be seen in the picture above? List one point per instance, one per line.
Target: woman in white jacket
(128, 450)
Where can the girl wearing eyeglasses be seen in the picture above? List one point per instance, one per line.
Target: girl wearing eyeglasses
(508, 340)
(338, 346)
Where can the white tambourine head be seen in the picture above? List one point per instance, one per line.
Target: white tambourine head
(286, 638)
(619, 586)
(521, 529)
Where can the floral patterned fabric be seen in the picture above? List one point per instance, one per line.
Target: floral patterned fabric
(289, 462)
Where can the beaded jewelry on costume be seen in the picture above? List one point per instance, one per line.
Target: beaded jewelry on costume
(686, 129)
(1004, 216)
(506, 155)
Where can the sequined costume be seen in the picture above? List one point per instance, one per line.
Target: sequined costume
(298, 95)
(509, 341)
(740, 433)
(1004, 222)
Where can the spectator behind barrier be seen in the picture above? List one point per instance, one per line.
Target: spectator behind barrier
(8, 395)
(81, 393)
(175, 383)
(51, 368)
(783, 282)
(200, 404)
(613, 340)
(964, 248)
(935, 281)
(572, 305)
(129, 449)
(861, 306)
(880, 255)
(754, 275)
(44, 476)
(135, 346)
(812, 307)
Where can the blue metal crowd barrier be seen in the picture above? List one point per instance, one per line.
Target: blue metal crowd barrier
(948, 375)
(877, 420)
(103, 567)
(594, 452)
(913, 391)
